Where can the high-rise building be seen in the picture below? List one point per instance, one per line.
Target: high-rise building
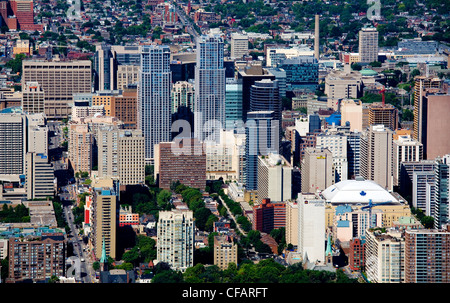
(104, 204)
(337, 144)
(33, 97)
(233, 103)
(209, 105)
(59, 80)
(436, 107)
(311, 228)
(104, 68)
(183, 161)
(265, 96)
(426, 252)
(423, 191)
(292, 223)
(154, 99)
(121, 155)
(262, 138)
(405, 149)
(37, 259)
(442, 191)
(385, 114)
(354, 112)
(239, 45)
(13, 143)
(377, 156)
(302, 73)
(127, 75)
(39, 177)
(368, 44)
(353, 154)
(317, 170)
(80, 147)
(385, 257)
(225, 251)
(175, 234)
(274, 178)
(182, 96)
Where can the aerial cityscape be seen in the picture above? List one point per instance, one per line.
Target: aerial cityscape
(226, 142)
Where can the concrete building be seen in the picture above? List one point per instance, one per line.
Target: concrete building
(424, 256)
(80, 147)
(311, 228)
(292, 223)
(182, 96)
(104, 214)
(183, 161)
(239, 46)
(385, 257)
(437, 107)
(377, 156)
(275, 53)
(406, 149)
(268, 216)
(59, 80)
(40, 177)
(225, 251)
(274, 178)
(384, 114)
(337, 144)
(368, 44)
(356, 113)
(127, 75)
(33, 98)
(343, 85)
(175, 238)
(13, 143)
(317, 170)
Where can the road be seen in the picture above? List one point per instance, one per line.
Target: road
(186, 22)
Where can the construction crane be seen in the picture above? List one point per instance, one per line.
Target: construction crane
(370, 205)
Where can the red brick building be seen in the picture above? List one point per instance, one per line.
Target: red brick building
(268, 216)
(356, 254)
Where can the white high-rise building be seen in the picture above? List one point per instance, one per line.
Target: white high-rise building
(337, 144)
(239, 45)
(368, 44)
(311, 228)
(154, 97)
(175, 234)
(209, 105)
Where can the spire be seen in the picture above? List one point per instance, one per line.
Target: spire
(328, 252)
(104, 259)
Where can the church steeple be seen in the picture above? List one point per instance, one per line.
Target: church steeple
(328, 251)
(104, 259)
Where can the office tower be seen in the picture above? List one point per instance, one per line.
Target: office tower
(311, 228)
(13, 143)
(385, 257)
(265, 96)
(154, 101)
(38, 259)
(353, 154)
(274, 178)
(422, 85)
(59, 80)
(337, 144)
(127, 54)
(423, 191)
(385, 114)
(121, 155)
(292, 223)
(37, 133)
(368, 44)
(302, 73)
(175, 236)
(104, 204)
(239, 46)
(233, 103)
(405, 149)
(262, 138)
(317, 170)
(80, 147)
(342, 85)
(436, 107)
(376, 156)
(249, 75)
(356, 113)
(442, 191)
(225, 251)
(39, 177)
(425, 256)
(183, 161)
(316, 37)
(407, 170)
(269, 215)
(209, 106)
(33, 97)
(125, 108)
(104, 68)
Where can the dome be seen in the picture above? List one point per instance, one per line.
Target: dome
(357, 191)
(368, 72)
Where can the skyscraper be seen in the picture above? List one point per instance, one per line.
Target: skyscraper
(154, 98)
(33, 98)
(39, 177)
(368, 44)
(209, 106)
(317, 170)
